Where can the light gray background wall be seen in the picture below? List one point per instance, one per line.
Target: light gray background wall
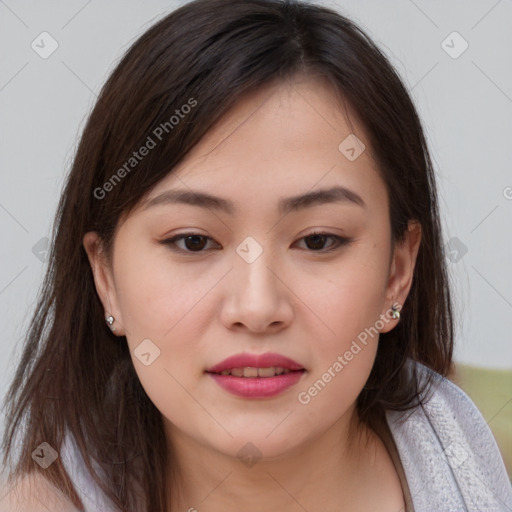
(465, 103)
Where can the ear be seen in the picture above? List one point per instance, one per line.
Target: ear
(402, 270)
(103, 279)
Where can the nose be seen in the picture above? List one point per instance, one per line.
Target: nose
(257, 298)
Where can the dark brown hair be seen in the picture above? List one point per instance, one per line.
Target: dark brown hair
(74, 374)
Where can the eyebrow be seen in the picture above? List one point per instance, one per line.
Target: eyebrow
(286, 205)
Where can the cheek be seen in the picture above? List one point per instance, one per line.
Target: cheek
(155, 295)
(347, 297)
(348, 305)
(169, 306)
(163, 305)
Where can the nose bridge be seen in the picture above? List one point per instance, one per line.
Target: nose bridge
(254, 278)
(255, 296)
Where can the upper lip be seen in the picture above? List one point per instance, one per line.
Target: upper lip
(256, 361)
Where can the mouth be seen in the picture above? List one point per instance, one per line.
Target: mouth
(249, 382)
(253, 376)
(252, 372)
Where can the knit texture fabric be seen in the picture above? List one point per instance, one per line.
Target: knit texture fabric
(450, 457)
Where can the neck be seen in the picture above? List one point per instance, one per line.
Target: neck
(325, 470)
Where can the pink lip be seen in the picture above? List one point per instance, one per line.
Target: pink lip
(257, 387)
(255, 361)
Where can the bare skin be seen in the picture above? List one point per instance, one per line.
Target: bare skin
(309, 304)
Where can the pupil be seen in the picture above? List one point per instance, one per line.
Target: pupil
(317, 239)
(194, 238)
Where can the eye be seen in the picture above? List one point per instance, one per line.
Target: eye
(194, 242)
(317, 241)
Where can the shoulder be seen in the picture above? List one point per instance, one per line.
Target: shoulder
(446, 442)
(456, 421)
(448, 408)
(33, 493)
(446, 405)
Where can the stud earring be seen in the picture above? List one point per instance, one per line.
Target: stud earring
(110, 321)
(395, 311)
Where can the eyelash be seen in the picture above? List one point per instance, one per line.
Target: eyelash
(339, 242)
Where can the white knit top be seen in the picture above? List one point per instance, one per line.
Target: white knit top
(447, 451)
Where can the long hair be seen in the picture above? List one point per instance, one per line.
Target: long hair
(74, 374)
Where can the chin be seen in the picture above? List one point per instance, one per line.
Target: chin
(252, 445)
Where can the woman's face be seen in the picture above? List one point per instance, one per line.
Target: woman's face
(253, 279)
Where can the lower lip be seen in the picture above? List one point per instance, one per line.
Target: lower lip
(257, 387)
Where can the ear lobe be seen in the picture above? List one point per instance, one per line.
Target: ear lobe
(402, 268)
(103, 278)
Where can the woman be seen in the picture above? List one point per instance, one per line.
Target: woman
(247, 304)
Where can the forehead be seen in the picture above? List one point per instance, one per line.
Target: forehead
(284, 139)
